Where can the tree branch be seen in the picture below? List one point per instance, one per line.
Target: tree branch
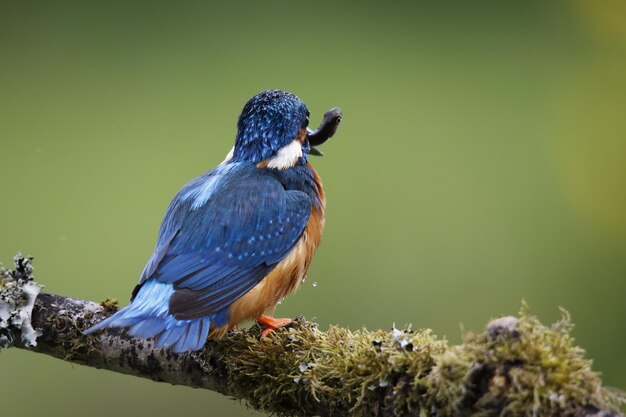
(516, 367)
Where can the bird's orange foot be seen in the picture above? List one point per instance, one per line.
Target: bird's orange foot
(272, 324)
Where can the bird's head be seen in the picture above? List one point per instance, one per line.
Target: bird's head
(273, 123)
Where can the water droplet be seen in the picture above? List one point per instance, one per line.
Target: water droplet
(280, 301)
(314, 283)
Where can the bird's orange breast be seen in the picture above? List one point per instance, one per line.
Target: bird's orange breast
(287, 276)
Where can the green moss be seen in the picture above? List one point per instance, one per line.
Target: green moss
(295, 370)
(517, 367)
(530, 370)
(110, 305)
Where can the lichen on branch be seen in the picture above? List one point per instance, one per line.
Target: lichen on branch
(18, 292)
(515, 367)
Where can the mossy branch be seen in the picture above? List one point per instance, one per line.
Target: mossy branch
(516, 367)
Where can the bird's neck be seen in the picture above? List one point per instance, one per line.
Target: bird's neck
(303, 177)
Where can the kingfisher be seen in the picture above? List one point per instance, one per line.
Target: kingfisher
(239, 238)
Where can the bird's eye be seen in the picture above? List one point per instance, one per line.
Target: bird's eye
(305, 124)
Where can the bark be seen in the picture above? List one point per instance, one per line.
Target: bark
(516, 367)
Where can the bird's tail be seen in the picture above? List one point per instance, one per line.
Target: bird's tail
(148, 316)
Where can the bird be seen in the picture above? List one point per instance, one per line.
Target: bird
(239, 238)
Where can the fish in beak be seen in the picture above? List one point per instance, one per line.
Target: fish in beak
(324, 131)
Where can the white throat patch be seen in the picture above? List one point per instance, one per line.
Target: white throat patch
(287, 156)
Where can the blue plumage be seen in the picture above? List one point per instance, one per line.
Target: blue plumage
(269, 121)
(224, 231)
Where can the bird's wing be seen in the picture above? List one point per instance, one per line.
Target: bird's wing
(222, 234)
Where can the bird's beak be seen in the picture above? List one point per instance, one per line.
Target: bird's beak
(315, 151)
(325, 130)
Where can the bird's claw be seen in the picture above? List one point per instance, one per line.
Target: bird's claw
(272, 324)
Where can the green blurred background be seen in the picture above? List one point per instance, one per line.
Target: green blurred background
(481, 161)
